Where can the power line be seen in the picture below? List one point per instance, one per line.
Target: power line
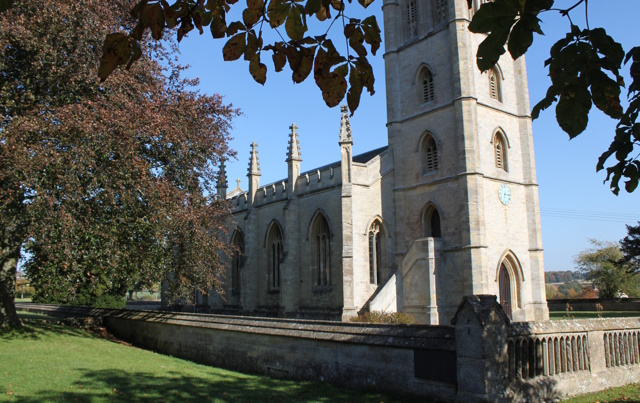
(585, 215)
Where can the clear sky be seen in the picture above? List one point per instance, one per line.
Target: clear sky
(575, 204)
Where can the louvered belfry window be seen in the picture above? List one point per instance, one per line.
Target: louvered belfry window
(412, 18)
(428, 93)
(494, 86)
(439, 11)
(430, 155)
(500, 152)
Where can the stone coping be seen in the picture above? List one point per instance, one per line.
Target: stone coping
(572, 326)
(402, 336)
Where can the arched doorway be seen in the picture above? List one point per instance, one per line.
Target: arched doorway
(504, 282)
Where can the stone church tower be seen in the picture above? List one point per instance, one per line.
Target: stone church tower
(464, 169)
(449, 208)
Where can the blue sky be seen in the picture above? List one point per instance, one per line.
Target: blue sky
(575, 204)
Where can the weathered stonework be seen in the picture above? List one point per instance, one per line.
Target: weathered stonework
(449, 208)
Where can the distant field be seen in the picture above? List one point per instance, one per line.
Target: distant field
(556, 315)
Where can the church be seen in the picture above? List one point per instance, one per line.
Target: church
(449, 208)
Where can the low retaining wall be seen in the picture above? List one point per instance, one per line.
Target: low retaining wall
(396, 358)
(482, 357)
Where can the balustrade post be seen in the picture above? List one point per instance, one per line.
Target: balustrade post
(481, 349)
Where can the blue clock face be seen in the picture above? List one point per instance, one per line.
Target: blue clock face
(505, 194)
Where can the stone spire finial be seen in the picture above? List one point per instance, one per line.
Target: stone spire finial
(238, 182)
(293, 151)
(222, 174)
(345, 126)
(254, 164)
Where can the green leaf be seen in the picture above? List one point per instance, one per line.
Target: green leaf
(545, 103)
(520, 39)
(258, 70)
(295, 25)
(234, 48)
(492, 15)
(152, 16)
(492, 48)
(312, 6)
(572, 111)
(277, 12)
(605, 93)
(604, 44)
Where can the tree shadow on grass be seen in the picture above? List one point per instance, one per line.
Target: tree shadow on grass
(112, 385)
(36, 329)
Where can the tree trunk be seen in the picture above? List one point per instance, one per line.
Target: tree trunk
(8, 314)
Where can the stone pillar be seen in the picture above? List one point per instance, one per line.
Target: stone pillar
(253, 174)
(346, 162)
(481, 349)
(221, 183)
(293, 160)
(290, 271)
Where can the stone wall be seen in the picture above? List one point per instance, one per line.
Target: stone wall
(482, 357)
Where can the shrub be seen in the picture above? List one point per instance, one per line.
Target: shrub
(384, 317)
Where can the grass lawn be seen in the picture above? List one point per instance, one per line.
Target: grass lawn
(555, 315)
(49, 362)
(630, 393)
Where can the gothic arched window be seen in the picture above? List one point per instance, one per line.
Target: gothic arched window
(500, 151)
(431, 222)
(236, 261)
(322, 251)
(429, 154)
(376, 252)
(428, 92)
(494, 85)
(275, 257)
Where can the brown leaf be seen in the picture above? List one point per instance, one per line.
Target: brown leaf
(152, 16)
(355, 41)
(185, 28)
(301, 62)
(372, 33)
(234, 48)
(258, 70)
(250, 16)
(116, 51)
(279, 60)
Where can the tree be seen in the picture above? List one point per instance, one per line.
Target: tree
(584, 66)
(630, 246)
(603, 266)
(104, 184)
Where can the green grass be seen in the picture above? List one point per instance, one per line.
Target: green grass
(555, 315)
(49, 362)
(23, 299)
(629, 393)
